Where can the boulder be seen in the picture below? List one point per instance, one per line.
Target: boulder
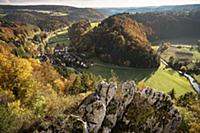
(117, 106)
(93, 108)
(126, 96)
(150, 111)
(106, 91)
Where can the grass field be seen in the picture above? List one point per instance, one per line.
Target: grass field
(59, 39)
(196, 54)
(51, 13)
(162, 79)
(172, 50)
(94, 24)
(123, 73)
(62, 37)
(165, 79)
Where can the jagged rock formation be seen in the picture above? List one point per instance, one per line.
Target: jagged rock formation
(93, 109)
(117, 106)
(150, 112)
(122, 109)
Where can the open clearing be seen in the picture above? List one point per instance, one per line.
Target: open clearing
(59, 39)
(162, 79)
(172, 50)
(51, 13)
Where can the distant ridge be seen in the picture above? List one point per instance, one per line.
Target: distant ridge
(176, 8)
(48, 17)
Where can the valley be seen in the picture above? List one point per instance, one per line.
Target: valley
(67, 69)
(159, 78)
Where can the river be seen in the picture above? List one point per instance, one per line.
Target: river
(192, 81)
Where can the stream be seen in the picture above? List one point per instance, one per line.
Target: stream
(194, 84)
(192, 81)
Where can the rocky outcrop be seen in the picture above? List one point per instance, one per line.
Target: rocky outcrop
(93, 108)
(150, 111)
(117, 106)
(122, 109)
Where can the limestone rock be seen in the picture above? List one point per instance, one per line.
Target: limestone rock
(110, 119)
(117, 106)
(93, 108)
(120, 110)
(106, 91)
(127, 93)
(95, 115)
(76, 125)
(152, 112)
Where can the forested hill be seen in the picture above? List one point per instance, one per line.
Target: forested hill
(49, 17)
(117, 40)
(169, 25)
(180, 8)
(123, 41)
(10, 32)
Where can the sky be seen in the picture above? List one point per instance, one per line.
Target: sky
(101, 3)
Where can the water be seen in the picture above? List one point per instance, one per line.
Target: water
(193, 82)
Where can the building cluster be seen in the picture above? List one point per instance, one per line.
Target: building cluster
(63, 58)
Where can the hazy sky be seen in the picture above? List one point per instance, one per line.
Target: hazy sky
(103, 3)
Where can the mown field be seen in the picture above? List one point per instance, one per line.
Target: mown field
(162, 79)
(2, 15)
(59, 39)
(171, 51)
(62, 37)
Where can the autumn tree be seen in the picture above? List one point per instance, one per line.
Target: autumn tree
(122, 41)
(77, 33)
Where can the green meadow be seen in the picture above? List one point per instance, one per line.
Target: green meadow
(59, 39)
(162, 79)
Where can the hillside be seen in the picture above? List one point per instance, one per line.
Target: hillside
(49, 17)
(20, 36)
(10, 31)
(122, 41)
(170, 25)
(175, 9)
(166, 22)
(62, 74)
